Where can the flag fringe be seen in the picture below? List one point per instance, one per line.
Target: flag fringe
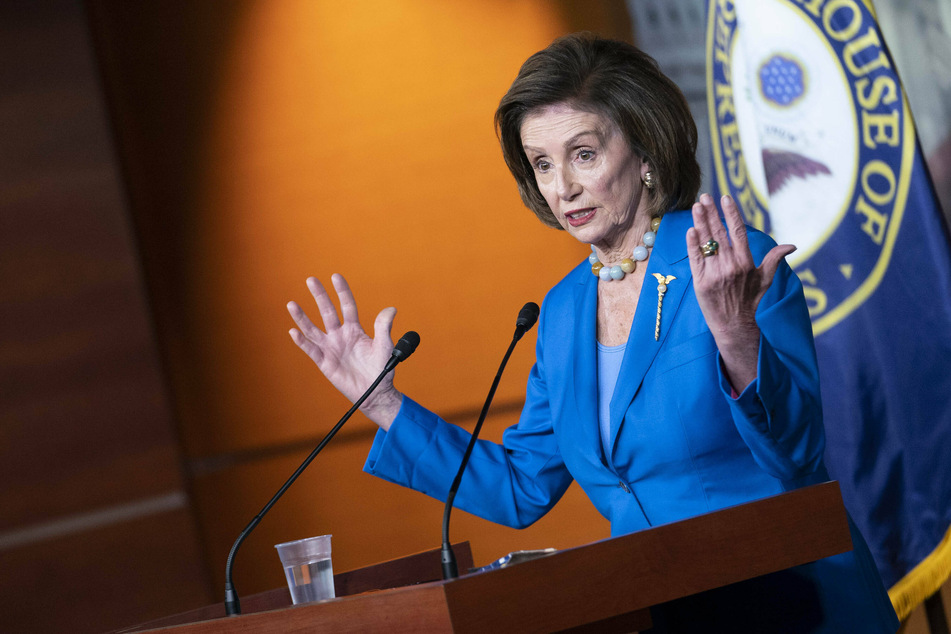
(923, 580)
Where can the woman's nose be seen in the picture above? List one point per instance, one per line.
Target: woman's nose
(567, 185)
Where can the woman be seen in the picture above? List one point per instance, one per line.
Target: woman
(675, 371)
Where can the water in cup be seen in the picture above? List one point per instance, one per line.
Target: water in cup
(311, 581)
(309, 571)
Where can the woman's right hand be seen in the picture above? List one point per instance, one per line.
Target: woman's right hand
(343, 351)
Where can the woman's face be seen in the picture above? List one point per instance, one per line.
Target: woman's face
(588, 174)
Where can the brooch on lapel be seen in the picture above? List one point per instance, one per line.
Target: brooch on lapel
(662, 283)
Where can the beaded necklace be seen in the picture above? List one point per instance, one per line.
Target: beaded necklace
(627, 265)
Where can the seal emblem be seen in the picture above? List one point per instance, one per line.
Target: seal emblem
(812, 136)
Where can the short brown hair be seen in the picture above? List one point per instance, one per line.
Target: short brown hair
(620, 82)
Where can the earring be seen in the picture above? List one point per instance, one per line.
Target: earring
(648, 180)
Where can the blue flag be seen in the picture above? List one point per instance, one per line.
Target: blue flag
(812, 135)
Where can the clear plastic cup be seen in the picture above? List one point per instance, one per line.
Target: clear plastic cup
(307, 566)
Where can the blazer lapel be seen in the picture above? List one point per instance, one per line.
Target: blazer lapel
(668, 257)
(582, 384)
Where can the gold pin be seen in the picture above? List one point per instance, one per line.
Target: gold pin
(662, 283)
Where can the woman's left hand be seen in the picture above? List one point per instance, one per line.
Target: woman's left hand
(729, 286)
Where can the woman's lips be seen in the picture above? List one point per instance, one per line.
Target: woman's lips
(580, 216)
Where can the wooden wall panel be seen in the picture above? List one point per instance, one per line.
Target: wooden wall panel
(104, 579)
(82, 389)
(95, 527)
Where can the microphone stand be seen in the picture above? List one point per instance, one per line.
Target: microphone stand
(404, 348)
(526, 319)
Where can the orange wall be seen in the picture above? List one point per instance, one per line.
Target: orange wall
(360, 141)
(267, 141)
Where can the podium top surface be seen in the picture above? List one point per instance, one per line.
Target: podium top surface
(600, 582)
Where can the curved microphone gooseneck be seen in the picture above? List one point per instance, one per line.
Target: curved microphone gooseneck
(403, 349)
(526, 319)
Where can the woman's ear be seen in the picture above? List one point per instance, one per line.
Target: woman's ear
(645, 166)
(648, 178)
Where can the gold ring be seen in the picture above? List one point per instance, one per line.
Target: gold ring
(710, 248)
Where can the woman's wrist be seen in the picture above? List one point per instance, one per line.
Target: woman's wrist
(739, 352)
(383, 407)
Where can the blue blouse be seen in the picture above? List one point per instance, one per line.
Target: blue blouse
(609, 367)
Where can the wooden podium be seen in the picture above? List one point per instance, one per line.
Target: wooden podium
(606, 586)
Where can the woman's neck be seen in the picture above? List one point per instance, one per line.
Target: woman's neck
(612, 251)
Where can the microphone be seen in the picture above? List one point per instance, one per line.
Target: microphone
(526, 319)
(403, 348)
(401, 352)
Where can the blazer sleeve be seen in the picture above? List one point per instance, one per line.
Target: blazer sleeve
(514, 483)
(779, 415)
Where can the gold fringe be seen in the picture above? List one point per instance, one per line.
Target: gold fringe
(924, 579)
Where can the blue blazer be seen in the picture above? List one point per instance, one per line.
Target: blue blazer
(681, 445)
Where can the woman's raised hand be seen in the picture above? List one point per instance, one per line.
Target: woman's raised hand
(729, 286)
(343, 351)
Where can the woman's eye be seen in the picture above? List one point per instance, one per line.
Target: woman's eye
(586, 155)
(542, 166)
